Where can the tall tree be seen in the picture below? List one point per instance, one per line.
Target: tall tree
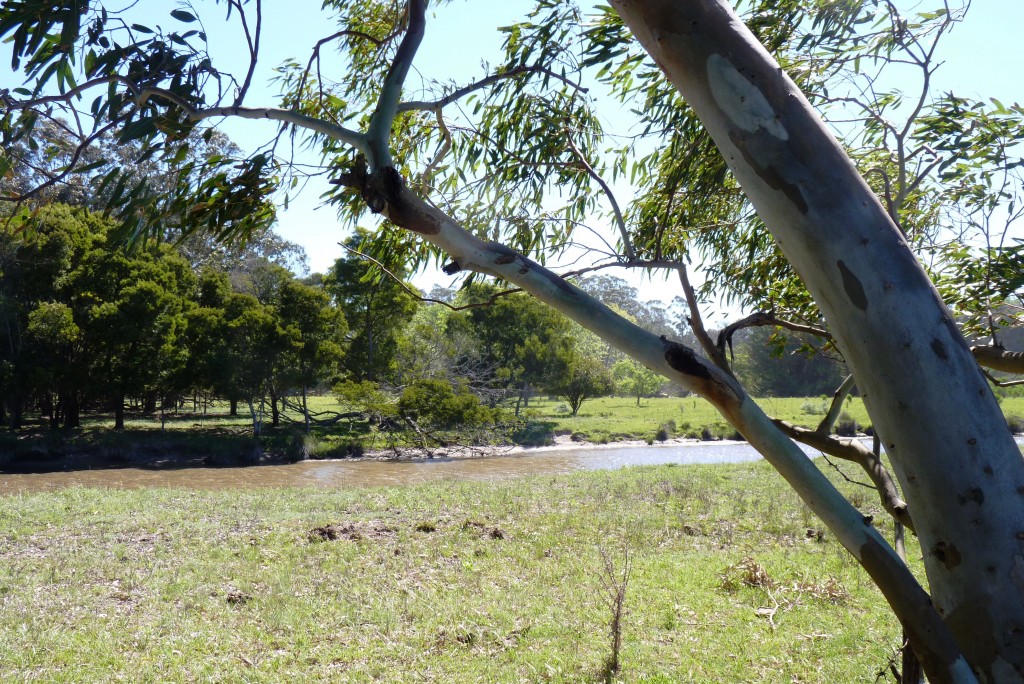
(531, 126)
(376, 306)
(523, 341)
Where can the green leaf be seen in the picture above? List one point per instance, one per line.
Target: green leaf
(183, 16)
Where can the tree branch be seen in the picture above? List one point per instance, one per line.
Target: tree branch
(999, 359)
(413, 293)
(844, 389)
(696, 322)
(360, 141)
(379, 133)
(854, 451)
(252, 39)
(761, 318)
(620, 223)
(459, 93)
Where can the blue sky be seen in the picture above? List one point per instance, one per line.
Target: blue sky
(983, 57)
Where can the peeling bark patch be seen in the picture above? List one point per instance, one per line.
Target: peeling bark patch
(741, 100)
(853, 287)
(940, 349)
(684, 359)
(973, 616)
(947, 554)
(973, 494)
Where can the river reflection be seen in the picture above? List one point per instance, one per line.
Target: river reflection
(371, 473)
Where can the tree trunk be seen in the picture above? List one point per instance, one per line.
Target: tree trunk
(257, 417)
(119, 412)
(72, 410)
(275, 412)
(962, 474)
(15, 414)
(234, 407)
(305, 409)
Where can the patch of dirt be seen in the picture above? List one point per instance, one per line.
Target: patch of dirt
(352, 531)
(484, 530)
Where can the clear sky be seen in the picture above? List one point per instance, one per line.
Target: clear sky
(983, 57)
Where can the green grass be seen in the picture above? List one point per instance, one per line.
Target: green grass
(617, 418)
(451, 582)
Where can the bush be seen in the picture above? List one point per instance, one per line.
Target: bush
(437, 403)
(534, 433)
(846, 426)
(665, 431)
(1016, 424)
(814, 407)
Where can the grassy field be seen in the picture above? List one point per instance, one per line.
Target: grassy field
(731, 581)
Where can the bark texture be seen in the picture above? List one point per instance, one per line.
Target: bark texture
(960, 470)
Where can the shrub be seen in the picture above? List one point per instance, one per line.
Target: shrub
(846, 426)
(534, 433)
(438, 403)
(665, 431)
(814, 407)
(1016, 424)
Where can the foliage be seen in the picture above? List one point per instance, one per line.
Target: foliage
(584, 378)
(775, 363)
(519, 337)
(438, 404)
(636, 380)
(377, 308)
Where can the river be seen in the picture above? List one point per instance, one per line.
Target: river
(374, 473)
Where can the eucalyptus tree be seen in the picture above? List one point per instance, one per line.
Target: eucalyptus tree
(465, 169)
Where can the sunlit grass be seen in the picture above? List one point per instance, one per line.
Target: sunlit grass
(459, 582)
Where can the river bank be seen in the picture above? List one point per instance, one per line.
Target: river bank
(221, 440)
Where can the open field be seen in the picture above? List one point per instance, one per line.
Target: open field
(453, 582)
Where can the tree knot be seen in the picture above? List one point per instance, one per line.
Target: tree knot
(383, 191)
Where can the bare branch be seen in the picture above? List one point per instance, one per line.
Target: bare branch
(252, 39)
(761, 318)
(844, 389)
(627, 244)
(446, 147)
(357, 140)
(713, 351)
(854, 451)
(379, 133)
(413, 293)
(998, 358)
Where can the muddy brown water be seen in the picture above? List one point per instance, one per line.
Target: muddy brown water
(373, 473)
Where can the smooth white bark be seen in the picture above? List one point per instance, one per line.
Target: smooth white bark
(961, 472)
